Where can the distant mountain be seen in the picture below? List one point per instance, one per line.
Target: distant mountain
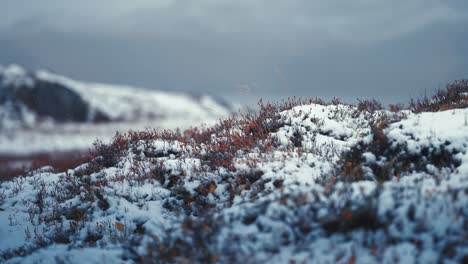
(27, 98)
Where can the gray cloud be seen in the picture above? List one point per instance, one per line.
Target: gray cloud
(386, 49)
(338, 19)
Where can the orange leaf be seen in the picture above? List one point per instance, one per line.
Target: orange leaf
(119, 226)
(212, 187)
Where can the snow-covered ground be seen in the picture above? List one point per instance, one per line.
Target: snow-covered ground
(289, 195)
(46, 138)
(127, 107)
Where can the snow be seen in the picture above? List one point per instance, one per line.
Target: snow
(419, 215)
(129, 103)
(61, 254)
(447, 129)
(11, 122)
(46, 138)
(432, 128)
(326, 132)
(15, 75)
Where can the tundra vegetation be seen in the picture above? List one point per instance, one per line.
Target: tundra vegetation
(300, 180)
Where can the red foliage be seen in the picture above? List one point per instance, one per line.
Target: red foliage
(59, 161)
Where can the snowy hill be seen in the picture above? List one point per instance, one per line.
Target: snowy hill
(55, 113)
(301, 180)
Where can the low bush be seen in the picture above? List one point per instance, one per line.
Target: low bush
(391, 160)
(455, 95)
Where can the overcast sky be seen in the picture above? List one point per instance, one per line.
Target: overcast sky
(245, 49)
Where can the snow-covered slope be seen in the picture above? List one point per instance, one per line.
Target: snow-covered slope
(300, 182)
(130, 103)
(29, 113)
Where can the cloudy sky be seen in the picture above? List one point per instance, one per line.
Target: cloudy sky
(245, 49)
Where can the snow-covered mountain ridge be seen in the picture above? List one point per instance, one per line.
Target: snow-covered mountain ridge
(301, 181)
(112, 101)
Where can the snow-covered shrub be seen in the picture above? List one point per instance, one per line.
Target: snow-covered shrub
(297, 181)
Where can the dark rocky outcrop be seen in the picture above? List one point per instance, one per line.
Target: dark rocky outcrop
(50, 100)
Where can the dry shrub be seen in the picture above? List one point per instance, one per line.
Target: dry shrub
(369, 105)
(215, 146)
(395, 108)
(455, 95)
